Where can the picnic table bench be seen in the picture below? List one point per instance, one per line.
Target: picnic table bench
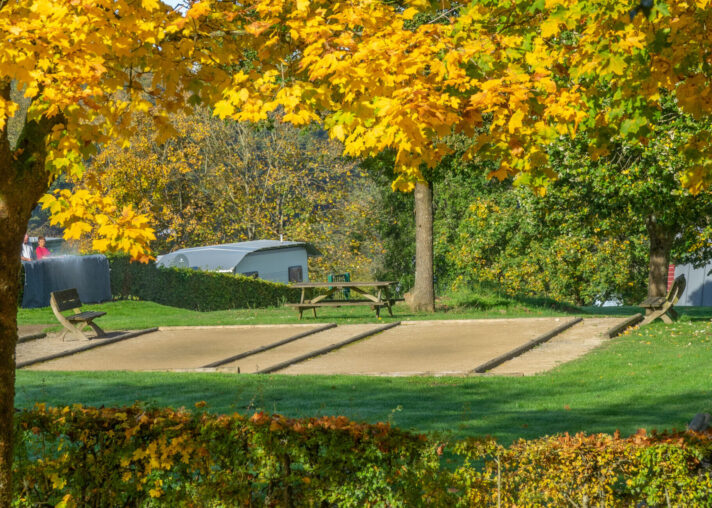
(662, 306)
(68, 299)
(376, 301)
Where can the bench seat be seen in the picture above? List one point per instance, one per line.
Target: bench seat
(301, 307)
(85, 316)
(306, 305)
(653, 302)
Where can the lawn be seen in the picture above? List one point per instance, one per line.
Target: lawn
(656, 377)
(129, 314)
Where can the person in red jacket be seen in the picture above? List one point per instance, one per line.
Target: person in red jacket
(42, 251)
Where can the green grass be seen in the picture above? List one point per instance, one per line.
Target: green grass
(137, 314)
(657, 377)
(131, 315)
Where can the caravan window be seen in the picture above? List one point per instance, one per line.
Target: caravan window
(295, 274)
(254, 275)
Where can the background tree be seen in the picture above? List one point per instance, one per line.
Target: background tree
(593, 236)
(605, 228)
(454, 182)
(491, 233)
(218, 181)
(638, 189)
(527, 245)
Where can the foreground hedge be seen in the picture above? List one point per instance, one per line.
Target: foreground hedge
(130, 456)
(134, 456)
(194, 289)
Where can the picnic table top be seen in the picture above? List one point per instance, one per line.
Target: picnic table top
(342, 284)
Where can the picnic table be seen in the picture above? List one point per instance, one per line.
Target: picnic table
(381, 298)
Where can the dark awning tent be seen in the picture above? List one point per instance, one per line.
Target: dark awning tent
(88, 274)
(267, 259)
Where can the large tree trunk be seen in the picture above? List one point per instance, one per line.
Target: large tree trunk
(23, 179)
(422, 296)
(661, 238)
(11, 234)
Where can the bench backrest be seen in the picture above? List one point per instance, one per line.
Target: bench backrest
(676, 290)
(65, 300)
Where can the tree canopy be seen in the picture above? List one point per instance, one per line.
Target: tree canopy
(514, 76)
(221, 181)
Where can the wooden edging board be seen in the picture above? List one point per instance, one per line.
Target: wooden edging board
(96, 344)
(269, 346)
(28, 338)
(327, 349)
(491, 364)
(624, 325)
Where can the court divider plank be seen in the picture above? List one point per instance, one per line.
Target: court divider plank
(270, 346)
(98, 343)
(491, 364)
(624, 325)
(28, 338)
(327, 349)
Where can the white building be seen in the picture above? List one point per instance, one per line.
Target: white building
(272, 260)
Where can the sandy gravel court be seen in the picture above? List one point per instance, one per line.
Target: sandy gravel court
(173, 348)
(429, 347)
(266, 359)
(453, 347)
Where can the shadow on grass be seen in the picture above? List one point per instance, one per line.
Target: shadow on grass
(506, 408)
(623, 310)
(548, 304)
(686, 313)
(487, 296)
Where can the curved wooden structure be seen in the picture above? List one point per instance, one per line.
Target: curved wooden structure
(662, 306)
(68, 299)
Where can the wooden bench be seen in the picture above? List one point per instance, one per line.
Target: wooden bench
(68, 299)
(662, 306)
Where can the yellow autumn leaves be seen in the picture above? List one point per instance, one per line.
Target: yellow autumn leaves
(512, 76)
(533, 72)
(82, 213)
(218, 182)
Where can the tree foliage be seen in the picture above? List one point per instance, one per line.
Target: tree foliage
(523, 73)
(221, 181)
(529, 245)
(527, 72)
(588, 239)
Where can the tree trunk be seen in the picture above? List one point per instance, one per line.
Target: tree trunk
(661, 239)
(11, 234)
(23, 179)
(422, 296)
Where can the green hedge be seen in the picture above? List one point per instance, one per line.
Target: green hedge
(194, 289)
(146, 457)
(137, 456)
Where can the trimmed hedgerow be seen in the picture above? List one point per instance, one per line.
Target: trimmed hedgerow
(193, 289)
(137, 456)
(131, 456)
(669, 469)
